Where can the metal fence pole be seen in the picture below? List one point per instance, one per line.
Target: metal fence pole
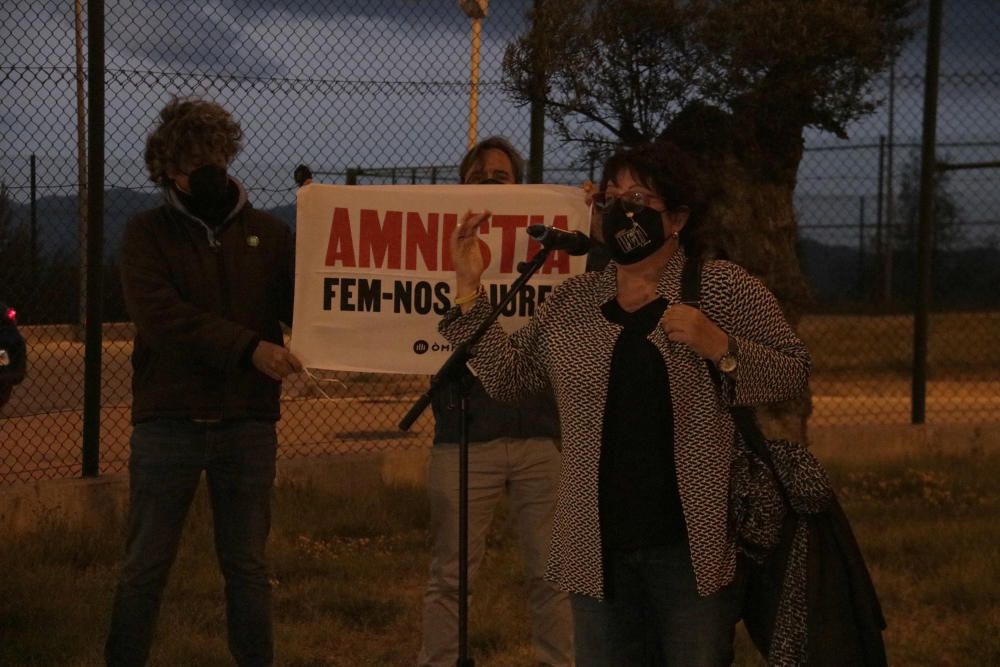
(33, 247)
(926, 217)
(81, 165)
(879, 204)
(861, 246)
(95, 239)
(890, 184)
(536, 155)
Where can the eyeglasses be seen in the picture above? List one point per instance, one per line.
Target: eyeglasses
(489, 178)
(632, 201)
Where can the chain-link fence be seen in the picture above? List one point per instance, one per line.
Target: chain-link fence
(379, 93)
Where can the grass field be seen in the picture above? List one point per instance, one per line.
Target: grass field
(349, 572)
(959, 344)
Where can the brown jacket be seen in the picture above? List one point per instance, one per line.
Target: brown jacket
(569, 343)
(201, 300)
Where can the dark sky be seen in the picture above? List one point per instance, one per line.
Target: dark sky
(306, 49)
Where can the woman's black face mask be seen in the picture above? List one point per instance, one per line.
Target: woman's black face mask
(209, 186)
(632, 236)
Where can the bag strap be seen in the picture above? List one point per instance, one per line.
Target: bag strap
(743, 417)
(691, 282)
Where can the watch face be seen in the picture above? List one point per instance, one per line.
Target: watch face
(727, 364)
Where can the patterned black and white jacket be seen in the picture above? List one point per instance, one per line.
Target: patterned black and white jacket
(569, 343)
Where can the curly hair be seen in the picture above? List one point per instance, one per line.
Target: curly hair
(189, 131)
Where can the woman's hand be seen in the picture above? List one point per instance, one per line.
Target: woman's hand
(467, 254)
(688, 325)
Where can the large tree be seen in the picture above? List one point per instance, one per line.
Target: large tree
(734, 81)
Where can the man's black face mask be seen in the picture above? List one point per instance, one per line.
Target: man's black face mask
(209, 186)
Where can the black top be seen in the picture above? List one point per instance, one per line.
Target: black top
(639, 503)
(212, 214)
(198, 309)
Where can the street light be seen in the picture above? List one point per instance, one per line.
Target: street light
(475, 10)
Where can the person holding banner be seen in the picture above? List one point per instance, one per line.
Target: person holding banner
(208, 281)
(644, 385)
(513, 448)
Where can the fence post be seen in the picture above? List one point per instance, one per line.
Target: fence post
(33, 241)
(82, 195)
(352, 176)
(926, 216)
(536, 154)
(879, 196)
(890, 202)
(861, 247)
(95, 239)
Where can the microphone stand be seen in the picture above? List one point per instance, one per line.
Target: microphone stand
(454, 370)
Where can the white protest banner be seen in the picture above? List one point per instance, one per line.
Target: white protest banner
(374, 275)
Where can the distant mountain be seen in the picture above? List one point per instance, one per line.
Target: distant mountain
(58, 226)
(832, 270)
(838, 273)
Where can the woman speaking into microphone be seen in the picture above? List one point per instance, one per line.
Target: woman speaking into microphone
(641, 538)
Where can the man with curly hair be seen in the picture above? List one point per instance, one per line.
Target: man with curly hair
(208, 281)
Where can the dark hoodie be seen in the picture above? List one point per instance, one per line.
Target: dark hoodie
(202, 297)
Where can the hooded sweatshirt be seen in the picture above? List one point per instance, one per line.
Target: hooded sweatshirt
(202, 297)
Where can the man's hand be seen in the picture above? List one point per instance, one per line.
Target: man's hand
(275, 361)
(688, 325)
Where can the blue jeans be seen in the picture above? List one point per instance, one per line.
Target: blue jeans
(655, 615)
(167, 459)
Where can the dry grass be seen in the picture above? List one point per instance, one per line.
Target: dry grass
(349, 573)
(958, 344)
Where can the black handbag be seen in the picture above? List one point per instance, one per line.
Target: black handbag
(843, 617)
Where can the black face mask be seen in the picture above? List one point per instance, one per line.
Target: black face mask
(632, 237)
(487, 181)
(209, 186)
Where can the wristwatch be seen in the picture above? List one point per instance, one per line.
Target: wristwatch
(728, 362)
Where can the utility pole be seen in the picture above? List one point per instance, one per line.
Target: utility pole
(81, 165)
(475, 10)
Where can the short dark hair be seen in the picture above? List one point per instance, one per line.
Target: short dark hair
(669, 172)
(189, 129)
(476, 153)
(661, 166)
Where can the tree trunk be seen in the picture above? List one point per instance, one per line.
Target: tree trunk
(748, 174)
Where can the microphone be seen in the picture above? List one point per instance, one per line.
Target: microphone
(573, 243)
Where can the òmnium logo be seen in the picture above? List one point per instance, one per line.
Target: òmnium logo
(421, 346)
(632, 238)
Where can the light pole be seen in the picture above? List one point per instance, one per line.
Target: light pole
(475, 10)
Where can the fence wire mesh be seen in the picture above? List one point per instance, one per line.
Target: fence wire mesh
(379, 93)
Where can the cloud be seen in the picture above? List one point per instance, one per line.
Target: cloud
(188, 36)
(432, 15)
